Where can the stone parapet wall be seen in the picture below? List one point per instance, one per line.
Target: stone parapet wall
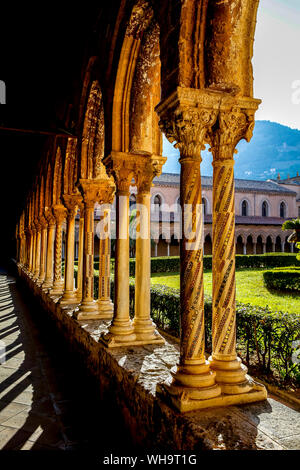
(127, 379)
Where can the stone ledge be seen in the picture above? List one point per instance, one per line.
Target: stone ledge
(128, 377)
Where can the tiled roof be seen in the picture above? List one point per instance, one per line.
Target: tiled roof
(167, 179)
(250, 220)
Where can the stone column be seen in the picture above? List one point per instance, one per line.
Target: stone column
(144, 327)
(44, 227)
(254, 247)
(92, 191)
(80, 254)
(282, 247)
(59, 212)
(32, 251)
(121, 330)
(264, 247)
(185, 117)
(244, 248)
(168, 247)
(273, 247)
(292, 247)
(105, 305)
(48, 283)
(37, 263)
(69, 296)
(233, 125)
(155, 247)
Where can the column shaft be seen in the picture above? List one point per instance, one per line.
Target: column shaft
(193, 370)
(80, 256)
(37, 254)
(57, 281)
(69, 296)
(121, 329)
(105, 304)
(50, 256)
(43, 255)
(231, 373)
(144, 327)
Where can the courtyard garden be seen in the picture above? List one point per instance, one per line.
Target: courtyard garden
(250, 289)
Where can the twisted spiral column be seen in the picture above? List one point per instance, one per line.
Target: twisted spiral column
(230, 372)
(193, 370)
(59, 213)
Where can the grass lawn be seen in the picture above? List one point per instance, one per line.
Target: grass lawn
(250, 289)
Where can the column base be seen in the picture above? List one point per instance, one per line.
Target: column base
(47, 285)
(39, 282)
(145, 330)
(57, 289)
(69, 298)
(120, 334)
(105, 309)
(231, 375)
(87, 310)
(185, 399)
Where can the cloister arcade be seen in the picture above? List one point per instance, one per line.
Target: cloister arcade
(182, 68)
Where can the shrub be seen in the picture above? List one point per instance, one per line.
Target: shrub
(265, 339)
(269, 260)
(283, 279)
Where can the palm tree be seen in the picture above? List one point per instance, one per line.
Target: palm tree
(295, 226)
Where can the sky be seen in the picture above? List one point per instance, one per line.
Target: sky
(276, 61)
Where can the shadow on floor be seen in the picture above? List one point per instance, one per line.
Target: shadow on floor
(47, 396)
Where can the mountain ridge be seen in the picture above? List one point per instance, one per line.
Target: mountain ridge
(274, 148)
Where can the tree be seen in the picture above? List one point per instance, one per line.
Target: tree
(294, 225)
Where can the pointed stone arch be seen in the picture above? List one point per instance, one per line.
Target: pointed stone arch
(57, 178)
(137, 87)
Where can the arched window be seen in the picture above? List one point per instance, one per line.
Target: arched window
(157, 203)
(204, 202)
(244, 208)
(282, 210)
(264, 209)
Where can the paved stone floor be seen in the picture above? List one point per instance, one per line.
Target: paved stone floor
(48, 402)
(46, 399)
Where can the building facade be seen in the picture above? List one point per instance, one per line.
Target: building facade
(261, 207)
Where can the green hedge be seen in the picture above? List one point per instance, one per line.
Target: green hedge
(283, 279)
(266, 340)
(172, 263)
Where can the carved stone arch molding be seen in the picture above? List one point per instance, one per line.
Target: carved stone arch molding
(92, 138)
(70, 167)
(137, 87)
(57, 178)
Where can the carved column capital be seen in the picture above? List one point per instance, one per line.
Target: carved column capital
(49, 216)
(235, 122)
(125, 166)
(97, 190)
(147, 168)
(185, 117)
(71, 202)
(43, 221)
(37, 224)
(59, 212)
